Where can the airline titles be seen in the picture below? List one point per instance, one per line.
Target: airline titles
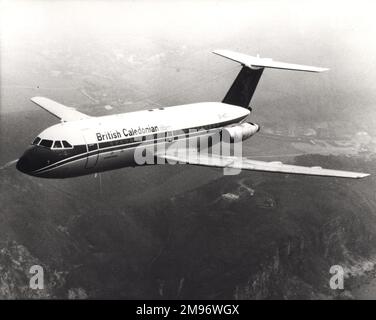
(116, 134)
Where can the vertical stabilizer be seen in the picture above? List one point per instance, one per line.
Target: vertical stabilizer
(244, 86)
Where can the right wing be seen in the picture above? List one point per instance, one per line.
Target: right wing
(58, 110)
(193, 157)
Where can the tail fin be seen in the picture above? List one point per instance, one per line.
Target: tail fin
(244, 86)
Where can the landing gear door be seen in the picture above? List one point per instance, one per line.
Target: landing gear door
(92, 148)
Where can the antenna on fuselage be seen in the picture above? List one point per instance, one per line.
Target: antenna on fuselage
(98, 174)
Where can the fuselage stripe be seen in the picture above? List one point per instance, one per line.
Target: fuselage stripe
(216, 127)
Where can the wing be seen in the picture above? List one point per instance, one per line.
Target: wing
(58, 110)
(193, 157)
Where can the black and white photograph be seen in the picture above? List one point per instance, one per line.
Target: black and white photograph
(220, 151)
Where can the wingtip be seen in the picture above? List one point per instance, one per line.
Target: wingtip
(218, 52)
(34, 99)
(359, 175)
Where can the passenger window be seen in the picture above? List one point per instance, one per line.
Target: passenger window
(46, 143)
(92, 146)
(57, 145)
(66, 144)
(36, 140)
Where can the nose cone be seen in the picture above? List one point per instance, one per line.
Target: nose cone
(33, 159)
(23, 165)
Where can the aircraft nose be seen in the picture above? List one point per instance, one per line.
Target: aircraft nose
(23, 165)
(32, 160)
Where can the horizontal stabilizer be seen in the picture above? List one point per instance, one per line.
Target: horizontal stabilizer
(256, 62)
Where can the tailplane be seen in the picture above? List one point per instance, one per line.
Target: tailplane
(244, 86)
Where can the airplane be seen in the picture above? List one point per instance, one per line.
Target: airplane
(81, 144)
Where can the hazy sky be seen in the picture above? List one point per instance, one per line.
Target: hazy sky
(335, 34)
(195, 21)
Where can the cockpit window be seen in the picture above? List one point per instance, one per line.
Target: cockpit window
(51, 144)
(36, 140)
(66, 144)
(46, 143)
(57, 144)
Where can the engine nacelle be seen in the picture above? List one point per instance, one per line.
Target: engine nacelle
(241, 131)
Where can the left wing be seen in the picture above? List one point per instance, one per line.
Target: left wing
(196, 158)
(58, 110)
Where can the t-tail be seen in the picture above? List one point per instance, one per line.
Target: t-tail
(244, 86)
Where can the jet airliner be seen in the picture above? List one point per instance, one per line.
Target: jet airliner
(81, 144)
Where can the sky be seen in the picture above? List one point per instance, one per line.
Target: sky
(334, 34)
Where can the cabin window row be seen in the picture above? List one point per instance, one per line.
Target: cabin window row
(166, 135)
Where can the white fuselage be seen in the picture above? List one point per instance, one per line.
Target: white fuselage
(105, 143)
